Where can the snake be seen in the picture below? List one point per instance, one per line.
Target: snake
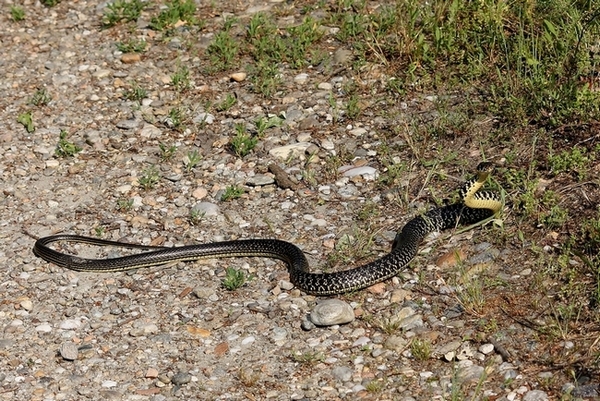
(473, 207)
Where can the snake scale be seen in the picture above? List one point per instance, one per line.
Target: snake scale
(473, 207)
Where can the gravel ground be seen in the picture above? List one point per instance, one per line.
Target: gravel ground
(173, 332)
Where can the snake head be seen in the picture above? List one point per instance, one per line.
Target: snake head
(485, 167)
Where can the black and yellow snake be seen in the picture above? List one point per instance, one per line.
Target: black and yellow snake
(474, 207)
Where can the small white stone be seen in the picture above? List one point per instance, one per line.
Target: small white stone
(27, 304)
(124, 188)
(109, 383)
(486, 348)
(70, 324)
(293, 150)
(327, 144)
(44, 328)
(367, 172)
(358, 132)
(325, 86)
(238, 76)
(68, 351)
(301, 78)
(332, 311)
(52, 163)
(248, 340)
(204, 118)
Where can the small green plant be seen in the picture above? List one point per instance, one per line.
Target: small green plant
(308, 357)
(50, 3)
(270, 46)
(191, 160)
(309, 175)
(167, 152)
(242, 143)
(136, 93)
(420, 349)
(576, 160)
(65, 148)
(368, 212)
(26, 119)
(554, 216)
(175, 119)
(122, 11)
(41, 97)
(265, 77)
(181, 78)
(227, 103)
(264, 123)
(132, 46)
(234, 279)
(351, 247)
(17, 13)
(149, 178)
(232, 192)
(353, 107)
(177, 10)
(388, 325)
(124, 205)
(375, 386)
(196, 216)
(472, 293)
(99, 230)
(222, 51)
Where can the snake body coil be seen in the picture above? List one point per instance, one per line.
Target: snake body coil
(475, 206)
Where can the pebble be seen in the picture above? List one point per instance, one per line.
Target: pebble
(260, 180)
(285, 285)
(238, 76)
(26, 304)
(200, 193)
(287, 151)
(358, 132)
(327, 144)
(332, 311)
(68, 351)
(128, 124)
(367, 172)
(301, 78)
(471, 374)
(536, 395)
(342, 373)
(150, 131)
(396, 343)
(181, 378)
(205, 118)
(486, 348)
(248, 340)
(279, 334)
(411, 322)
(206, 209)
(43, 328)
(307, 325)
(70, 324)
